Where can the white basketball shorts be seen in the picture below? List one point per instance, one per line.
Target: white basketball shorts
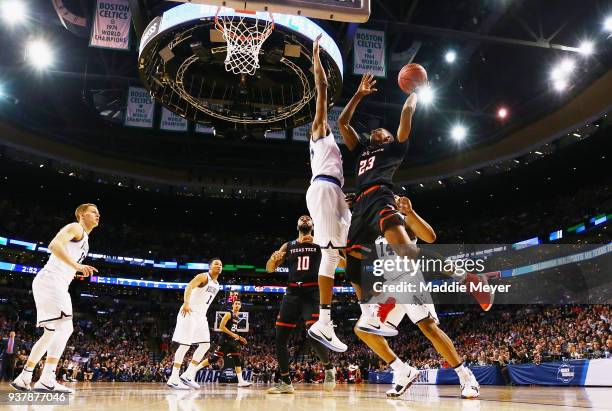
(416, 313)
(191, 329)
(329, 212)
(53, 302)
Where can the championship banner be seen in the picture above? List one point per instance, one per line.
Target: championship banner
(332, 119)
(276, 135)
(302, 133)
(202, 129)
(111, 25)
(172, 122)
(140, 108)
(369, 53)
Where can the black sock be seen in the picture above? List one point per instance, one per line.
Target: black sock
(329, 366)
(286, 379)
(325, 306)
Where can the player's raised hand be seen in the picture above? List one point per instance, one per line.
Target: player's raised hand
(404, 204)
(85, 270)
(185, 309)
(316, 45)
(367, 84)
(411, 101)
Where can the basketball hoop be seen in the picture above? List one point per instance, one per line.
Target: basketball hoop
(244, 39)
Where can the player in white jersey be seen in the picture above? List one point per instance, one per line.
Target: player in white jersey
(53, 304)
(192, 325)
(327, 207)
(422, 313)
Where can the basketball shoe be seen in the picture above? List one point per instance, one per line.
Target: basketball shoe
(281, 388)
(22, 383)
(45, 384)
(403, 380)
(470, 389)
(324, 333)
(371, 323)
(189, 381)
(330, 380)
(177, 384)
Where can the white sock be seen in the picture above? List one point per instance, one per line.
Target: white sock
(366, 309)
(175, 372)
(26, 375)
(239, 375)
(397, 364)
(463, 372)
(324, 315)
(191, 370)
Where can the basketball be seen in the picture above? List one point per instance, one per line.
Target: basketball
(411, 76)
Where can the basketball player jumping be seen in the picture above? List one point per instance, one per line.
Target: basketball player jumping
(53, 304)
(300, 300)
(374, 210)
(422, 314)
(192, 325)
(228, 343)
(329, 211)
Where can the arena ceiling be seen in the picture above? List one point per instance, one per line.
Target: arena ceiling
(504, 55)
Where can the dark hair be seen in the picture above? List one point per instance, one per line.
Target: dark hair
(213, 259)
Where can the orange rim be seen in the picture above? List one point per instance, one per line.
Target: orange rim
(263, 35)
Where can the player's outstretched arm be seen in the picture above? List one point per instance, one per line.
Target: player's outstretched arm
(276, 259)
(200, 279)
(403, 131)
(319, 124)
(57, 246)
(415, 222)
(350, 136)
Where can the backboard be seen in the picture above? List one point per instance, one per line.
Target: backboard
(357, 11)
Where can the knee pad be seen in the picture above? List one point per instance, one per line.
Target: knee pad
(330, 257)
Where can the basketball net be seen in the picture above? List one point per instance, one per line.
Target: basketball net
(244, 37)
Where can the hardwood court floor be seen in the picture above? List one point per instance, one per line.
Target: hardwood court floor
(227, 397)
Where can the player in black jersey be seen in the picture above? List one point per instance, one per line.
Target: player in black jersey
(229, 343)
(375, 211)
(301, 299)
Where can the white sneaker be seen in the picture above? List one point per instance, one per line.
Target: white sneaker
(281, 388)
(324, 333)
(20, 384)
(176, 384)
(189, 381)
(403, 380)
(51, 386)
(372, 325)
(330, 380)
(471, 389)
(242, 384)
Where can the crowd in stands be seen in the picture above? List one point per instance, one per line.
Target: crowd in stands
(116, 341)
(125, 336)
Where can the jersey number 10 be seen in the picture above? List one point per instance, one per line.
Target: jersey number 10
(303, 262)
(365, 165)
